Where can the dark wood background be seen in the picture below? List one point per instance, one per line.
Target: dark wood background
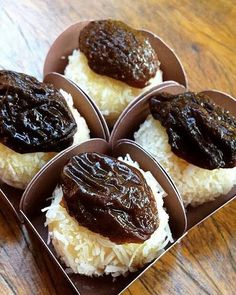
(203, 33)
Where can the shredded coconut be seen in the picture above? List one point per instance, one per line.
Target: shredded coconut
(91, 254)
(111, 95)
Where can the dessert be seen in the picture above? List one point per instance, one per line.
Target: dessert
(36, 122)
(195, 141)
(107, 216)
(113, 64)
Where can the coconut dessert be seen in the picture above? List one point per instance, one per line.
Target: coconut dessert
(107, 216)
(113, 64)
(195, 141)
(36, 122)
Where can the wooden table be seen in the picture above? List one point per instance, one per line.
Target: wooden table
(203, 33)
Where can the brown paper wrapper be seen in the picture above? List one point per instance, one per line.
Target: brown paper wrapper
(42, 186)
(137, 112)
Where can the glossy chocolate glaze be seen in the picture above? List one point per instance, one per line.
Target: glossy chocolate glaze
(109, 197)
(34, 116)
(118, 51)
(199, 131)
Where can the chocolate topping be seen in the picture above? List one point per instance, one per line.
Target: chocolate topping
(109, 197)
(34, 117)
(118, 51)
(199, 131)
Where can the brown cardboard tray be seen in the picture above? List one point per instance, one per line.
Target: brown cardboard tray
(40, 189)
(136, 113)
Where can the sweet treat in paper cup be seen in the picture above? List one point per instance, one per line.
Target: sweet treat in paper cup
(37, 120)
(192, 135)
(111, 212)
(113, 63)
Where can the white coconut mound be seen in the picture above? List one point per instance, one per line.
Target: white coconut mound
(110, 95)
(91, 254)
(196, 185)
(18, 169)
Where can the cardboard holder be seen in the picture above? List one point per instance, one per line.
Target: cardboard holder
(63, 46)
(136, 113)
(119, 143)
(42, 186)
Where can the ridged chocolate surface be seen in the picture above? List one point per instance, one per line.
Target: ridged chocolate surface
(199, 131)
(34, 117)
(109, 197)
(118, 51)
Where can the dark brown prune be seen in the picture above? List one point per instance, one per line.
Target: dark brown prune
(199, 131)
(109, 197)
(114, 49)
(34, 117)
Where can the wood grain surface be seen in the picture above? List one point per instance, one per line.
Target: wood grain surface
(203, 34)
